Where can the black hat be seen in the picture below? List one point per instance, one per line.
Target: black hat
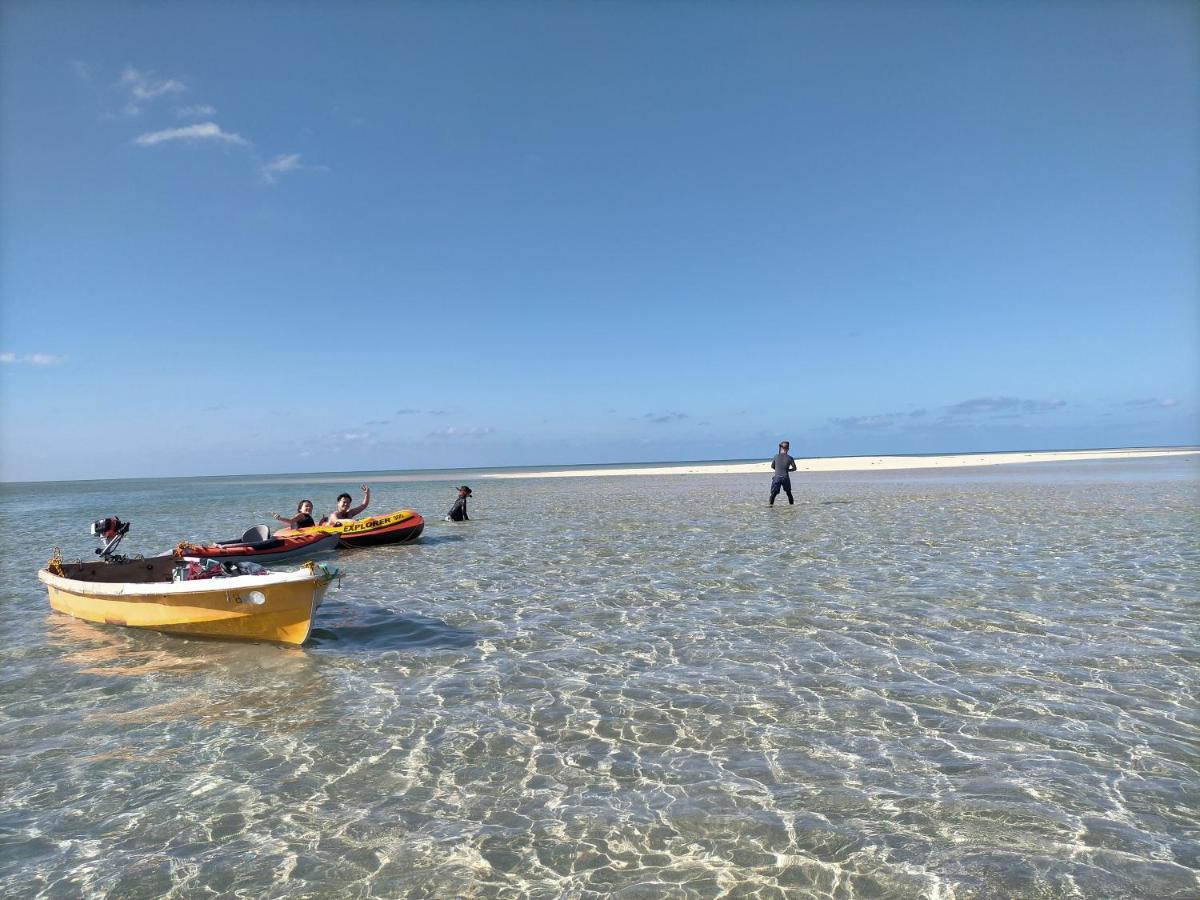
(465, 488)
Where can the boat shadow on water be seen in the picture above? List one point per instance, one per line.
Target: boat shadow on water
(346, 554)
(386, 629)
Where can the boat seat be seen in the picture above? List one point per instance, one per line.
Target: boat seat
(256, 535)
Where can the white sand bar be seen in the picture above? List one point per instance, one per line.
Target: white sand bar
(863, 463)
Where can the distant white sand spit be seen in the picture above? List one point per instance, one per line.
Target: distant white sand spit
(863, 463)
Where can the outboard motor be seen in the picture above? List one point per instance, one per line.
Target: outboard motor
(110, 530)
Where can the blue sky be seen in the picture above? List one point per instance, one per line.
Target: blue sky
(277, 237)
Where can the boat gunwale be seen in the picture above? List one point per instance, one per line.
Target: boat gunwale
(128, 589)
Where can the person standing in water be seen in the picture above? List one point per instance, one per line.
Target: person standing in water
(458, 512)
(782, 464)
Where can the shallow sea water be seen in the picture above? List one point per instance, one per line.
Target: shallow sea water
(969, 685)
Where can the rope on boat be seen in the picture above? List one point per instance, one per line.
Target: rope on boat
(54, 566)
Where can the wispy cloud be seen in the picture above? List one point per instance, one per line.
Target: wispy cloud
(352, 436)
(269, 172)
(664, 418)
(81, 70)
(460, 431)
(421, 412)
(199, 111)
(1153, 403)
(1002, 405)
(144, 87)
(866, 423)
(205, 131)
(31, 359)
(956, 414)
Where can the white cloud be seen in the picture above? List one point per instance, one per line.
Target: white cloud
(285, 162)
(200, 111)
(81, 69)
(356, 436)
(206, 131)
(143, 87)
(31, 359)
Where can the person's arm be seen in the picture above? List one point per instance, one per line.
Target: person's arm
(466, 518)
(791, 464)
(290, 523)
(366, 502)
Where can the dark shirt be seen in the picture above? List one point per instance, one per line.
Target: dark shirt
(783, 464)
(458, 512)
(304, 522)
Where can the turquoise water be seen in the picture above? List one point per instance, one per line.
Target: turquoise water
(946, 684)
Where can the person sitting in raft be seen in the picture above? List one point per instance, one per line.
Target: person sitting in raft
(303, 517)
(458, 512)
(344, 513)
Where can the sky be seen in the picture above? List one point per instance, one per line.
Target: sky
(317, 236)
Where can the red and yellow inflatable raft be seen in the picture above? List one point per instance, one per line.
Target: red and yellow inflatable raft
(398, 527)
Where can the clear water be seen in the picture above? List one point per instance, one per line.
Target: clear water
(981, 684)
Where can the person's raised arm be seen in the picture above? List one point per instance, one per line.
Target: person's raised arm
(290, 523)
(366, 502)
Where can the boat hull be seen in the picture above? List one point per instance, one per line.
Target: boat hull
(220, 608)
(290, 548)
(400, 527)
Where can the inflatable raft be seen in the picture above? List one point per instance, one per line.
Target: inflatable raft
(260, 546)
(398, 527)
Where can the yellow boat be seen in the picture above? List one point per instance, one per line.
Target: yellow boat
(140, 593)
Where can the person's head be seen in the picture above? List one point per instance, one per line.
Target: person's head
(343, 502)
(784, 446)
(464, 491)
(304, 507)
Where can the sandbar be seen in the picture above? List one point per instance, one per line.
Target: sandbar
(862, 463)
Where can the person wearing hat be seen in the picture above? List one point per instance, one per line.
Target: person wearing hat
(783, 464)
(458, 512)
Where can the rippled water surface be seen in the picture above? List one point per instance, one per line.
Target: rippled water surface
(911, 685)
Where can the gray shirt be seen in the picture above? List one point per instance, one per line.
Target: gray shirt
(783, 464)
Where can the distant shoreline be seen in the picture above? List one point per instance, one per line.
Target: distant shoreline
(858, 463)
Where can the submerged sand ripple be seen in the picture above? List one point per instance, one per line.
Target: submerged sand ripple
(901, 688)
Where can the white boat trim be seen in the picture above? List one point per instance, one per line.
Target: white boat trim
(176, 588)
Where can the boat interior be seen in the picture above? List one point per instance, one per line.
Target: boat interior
(130, 571)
